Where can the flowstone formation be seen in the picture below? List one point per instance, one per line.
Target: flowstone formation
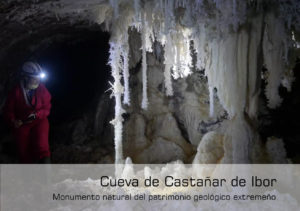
(231, 41)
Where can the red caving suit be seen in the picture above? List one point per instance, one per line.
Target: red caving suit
(32, 138)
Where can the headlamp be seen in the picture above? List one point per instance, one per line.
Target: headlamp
(42, 75)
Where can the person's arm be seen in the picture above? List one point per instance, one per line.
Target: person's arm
(9, 109)
(44, 111)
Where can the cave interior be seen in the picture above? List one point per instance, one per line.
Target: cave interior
(128, 79)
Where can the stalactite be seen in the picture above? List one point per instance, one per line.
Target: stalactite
(115, 5)
(117, 88)
(254, 66)
(211, 101)
(274, 48)
(226, 48)
(169, 15)
(168, 61)
(177, 63)
(125, 54)
(144, 64)
(168, 80)
(137, 10)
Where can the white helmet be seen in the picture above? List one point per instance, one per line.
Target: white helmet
(31, 69)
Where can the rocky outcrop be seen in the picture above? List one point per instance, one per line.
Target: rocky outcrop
(172, 127)
(210, 149)
(276, 150)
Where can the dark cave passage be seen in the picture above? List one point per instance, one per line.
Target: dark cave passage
(283, 122)
(77, 74)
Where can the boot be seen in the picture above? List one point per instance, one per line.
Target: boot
(45, 160)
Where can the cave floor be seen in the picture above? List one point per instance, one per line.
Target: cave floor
(65, 154)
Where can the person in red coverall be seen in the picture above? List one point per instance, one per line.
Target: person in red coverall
(26, 110)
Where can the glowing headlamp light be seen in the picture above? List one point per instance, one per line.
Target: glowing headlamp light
(42, 75)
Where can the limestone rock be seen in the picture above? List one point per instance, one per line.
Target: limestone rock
(275, 150)
(79, 134)
(135, 139)
(161, 151)
(134, 49)
(165, 126)
(192, 107)
(210, 149)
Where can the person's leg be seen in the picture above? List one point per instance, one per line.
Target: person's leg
(22, 136)
(40, 133)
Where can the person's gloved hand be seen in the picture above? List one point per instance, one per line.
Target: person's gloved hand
(18, 123)
(30, 118)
